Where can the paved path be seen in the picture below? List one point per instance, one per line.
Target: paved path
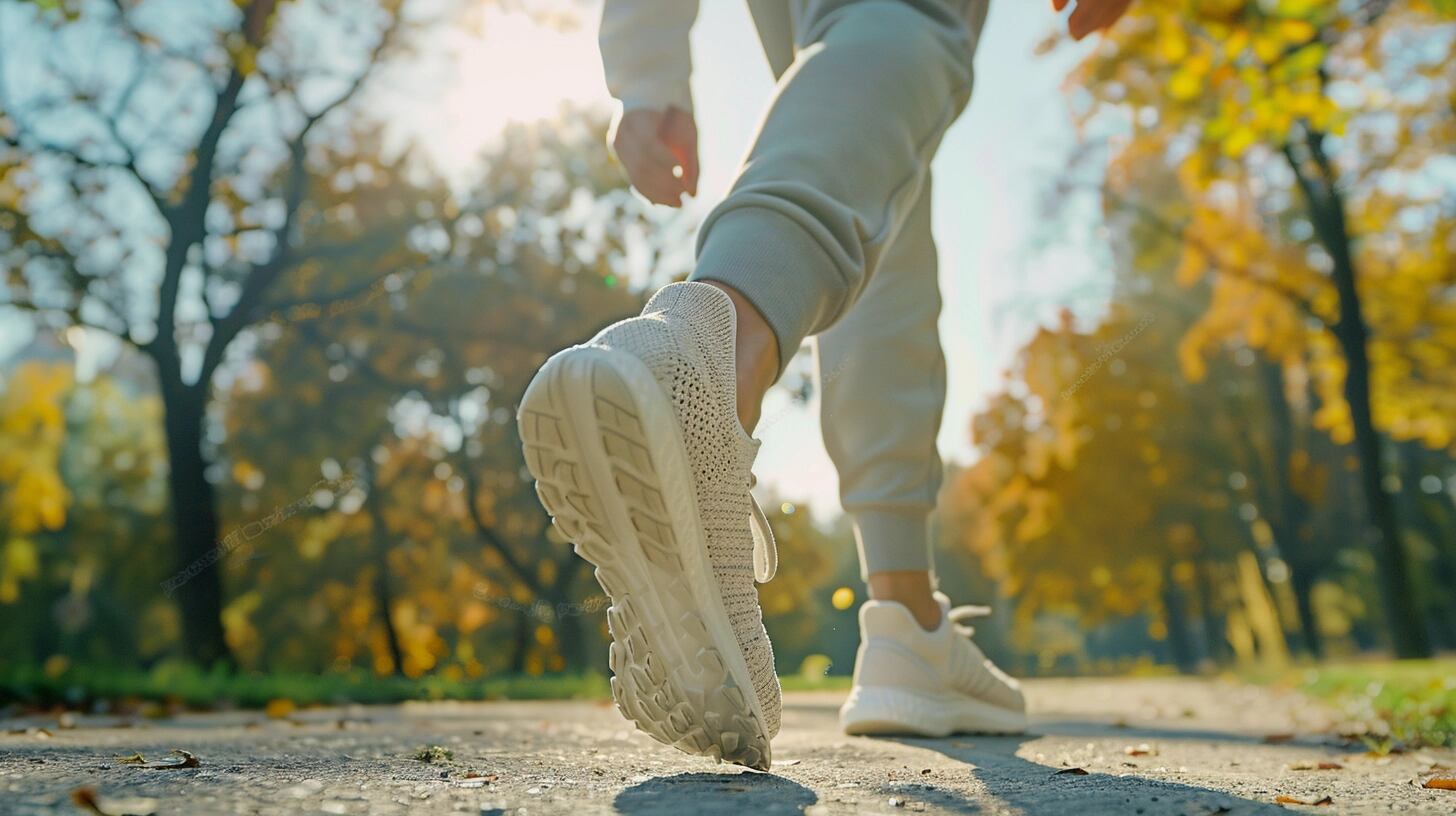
(1148, 746)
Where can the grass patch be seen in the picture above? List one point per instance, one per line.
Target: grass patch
(191, 687)
(1403, 703)
(821, 682)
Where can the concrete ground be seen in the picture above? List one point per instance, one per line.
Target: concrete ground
(1146, 746)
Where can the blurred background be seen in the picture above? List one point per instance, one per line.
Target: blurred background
(276, 273)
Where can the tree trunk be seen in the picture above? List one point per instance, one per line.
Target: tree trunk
(383, 594)
(1213, 624)
(1327, 212)
(1176, 619)
(1301, 583)
(521, 644)
(198, 580)
(1291, 521)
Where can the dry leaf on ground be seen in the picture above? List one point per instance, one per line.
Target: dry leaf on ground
(1311, 765)
(187, 760)
(87, 800)
(1071, 772)
(1440, 783)
(1295, 800)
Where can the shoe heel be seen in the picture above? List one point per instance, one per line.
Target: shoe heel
(883, 710)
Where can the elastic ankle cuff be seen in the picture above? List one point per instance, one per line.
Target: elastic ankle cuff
(777, 266)
(891, 541)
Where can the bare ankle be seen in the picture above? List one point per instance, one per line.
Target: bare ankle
(911, 589)
(756, 356)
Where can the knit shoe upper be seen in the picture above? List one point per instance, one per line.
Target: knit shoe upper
(686, 336)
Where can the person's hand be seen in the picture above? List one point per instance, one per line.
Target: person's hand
(659, 149)
(1092, 15)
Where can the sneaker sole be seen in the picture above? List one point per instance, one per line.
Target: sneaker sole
(878, 710)
(624, 496)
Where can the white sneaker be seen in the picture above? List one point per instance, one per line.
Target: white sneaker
(637, 451)
(931, 684)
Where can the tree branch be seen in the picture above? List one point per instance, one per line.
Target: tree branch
(262, 276)
(1243, 273)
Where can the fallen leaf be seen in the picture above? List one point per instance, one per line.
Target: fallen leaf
(40, 733)
(187, 760)
(1294, 800)
(135, 759)
(1071, 772)
(1440, 783)
(481, 776)
(1311, 765)
(86, 799)
(279, 708)
(1275, 739)
(1142, 749)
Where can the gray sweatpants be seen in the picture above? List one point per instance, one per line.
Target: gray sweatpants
(827, 232)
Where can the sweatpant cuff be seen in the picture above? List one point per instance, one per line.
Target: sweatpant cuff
(890, 541)
(776, 265)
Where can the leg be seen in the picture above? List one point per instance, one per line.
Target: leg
(882, 387)
(837, 165)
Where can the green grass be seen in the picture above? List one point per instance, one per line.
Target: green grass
(191, 687)
(1406, 703)
(828, 682)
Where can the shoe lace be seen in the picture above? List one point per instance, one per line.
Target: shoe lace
(960, 614)
(765, 549)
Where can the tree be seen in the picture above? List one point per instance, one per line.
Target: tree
(439, 534)
(1291, 124)
(161, 189)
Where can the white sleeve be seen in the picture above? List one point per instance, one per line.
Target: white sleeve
(645, 51)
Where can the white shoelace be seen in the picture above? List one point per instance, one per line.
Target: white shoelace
(765, 549)
(960, 614)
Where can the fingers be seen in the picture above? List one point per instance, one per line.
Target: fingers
(679, 133)
(645, 154)
(1093, 15)
(651, 169)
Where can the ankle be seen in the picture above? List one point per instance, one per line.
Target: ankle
(756, 356)
(911, 589)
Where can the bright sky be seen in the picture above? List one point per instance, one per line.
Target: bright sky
(999, 276)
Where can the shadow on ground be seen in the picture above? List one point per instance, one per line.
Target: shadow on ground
(744, 792)
(1030, 787)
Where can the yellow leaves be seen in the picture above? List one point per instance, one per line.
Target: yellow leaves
(1268, 47)
(1172, 40)
(1240, 139)
(18, 562)
(1192, 266)
(32, 430)
(1295, 31)
(1190, 357)
(1183, 85)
